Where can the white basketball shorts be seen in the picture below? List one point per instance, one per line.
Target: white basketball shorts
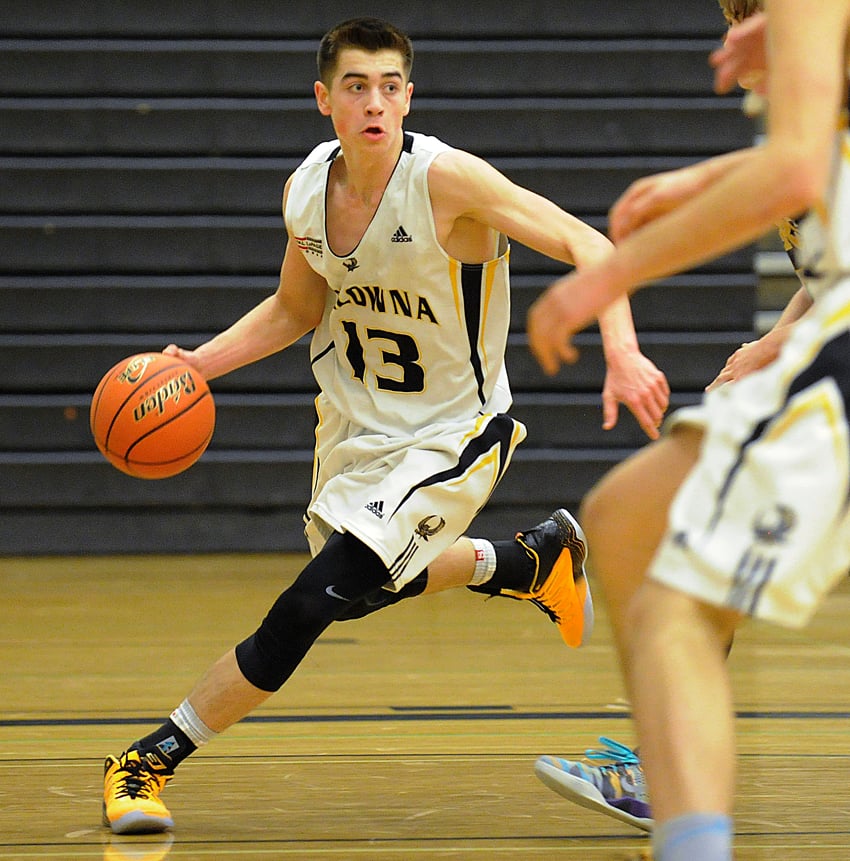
(761, 523)
(407, 499)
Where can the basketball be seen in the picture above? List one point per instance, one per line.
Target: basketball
(152, 415)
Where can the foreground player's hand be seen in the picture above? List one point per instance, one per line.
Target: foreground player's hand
(551, 327)
(742, 59)
(649, 198)
(633, 380)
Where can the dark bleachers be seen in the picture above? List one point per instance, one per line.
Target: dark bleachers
(143, 150)
(126, 185)
(235, 126)
(47, 363)
(36, 304)
(286, 67)
(444, 19)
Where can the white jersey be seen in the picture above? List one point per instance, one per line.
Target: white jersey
(410, 337)
(412, 435)
(762, 522)
(823, 253)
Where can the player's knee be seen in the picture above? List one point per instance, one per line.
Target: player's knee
(666, 615)
(336, 578)
(380, 598)
(257, 664)
(268, 657)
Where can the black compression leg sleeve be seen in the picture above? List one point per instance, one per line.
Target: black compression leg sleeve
(381, 598)
(340, 574)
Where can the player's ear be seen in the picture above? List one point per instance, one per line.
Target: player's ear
(409, 95)
(322, 98)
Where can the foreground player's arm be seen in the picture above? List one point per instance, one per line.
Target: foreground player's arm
(278, 321)
(736, 209)
(468, 187)
(650, 197)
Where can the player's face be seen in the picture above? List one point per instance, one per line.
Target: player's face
(368, 96)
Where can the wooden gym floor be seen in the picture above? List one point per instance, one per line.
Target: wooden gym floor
(408, 735)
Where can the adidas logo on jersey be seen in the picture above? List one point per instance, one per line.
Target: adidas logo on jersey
(377, 508)
(401, 235)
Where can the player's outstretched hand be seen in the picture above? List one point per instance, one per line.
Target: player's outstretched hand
(749, 357)
(635, 381)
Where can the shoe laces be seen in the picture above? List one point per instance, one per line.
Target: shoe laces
(134, 780)
(617, 754)
(547, 610)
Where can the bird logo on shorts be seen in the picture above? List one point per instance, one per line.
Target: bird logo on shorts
(429, 526)
(772, 527)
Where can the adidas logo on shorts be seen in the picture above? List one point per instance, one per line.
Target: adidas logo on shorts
(377, 508)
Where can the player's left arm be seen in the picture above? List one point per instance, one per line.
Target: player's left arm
(464, 186)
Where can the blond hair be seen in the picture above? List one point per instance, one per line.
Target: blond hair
(735, 11)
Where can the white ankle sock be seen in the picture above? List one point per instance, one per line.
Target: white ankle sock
(485, 561)
(694, 837)
(185, 717)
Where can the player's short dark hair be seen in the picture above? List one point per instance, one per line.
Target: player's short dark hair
(367, 34)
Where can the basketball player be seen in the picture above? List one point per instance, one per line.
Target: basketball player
(611, 779)
(398, 261)
(741, 508)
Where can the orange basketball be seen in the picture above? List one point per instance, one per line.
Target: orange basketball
(152, 415)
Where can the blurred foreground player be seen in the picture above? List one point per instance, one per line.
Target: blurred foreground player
(741, 509)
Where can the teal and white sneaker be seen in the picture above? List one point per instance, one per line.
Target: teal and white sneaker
(617, 789)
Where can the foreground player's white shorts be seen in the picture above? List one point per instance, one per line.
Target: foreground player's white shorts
(408, 499)
(761, 523)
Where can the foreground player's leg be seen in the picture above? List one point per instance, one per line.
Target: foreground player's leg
(625, 516)
(678, 681)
